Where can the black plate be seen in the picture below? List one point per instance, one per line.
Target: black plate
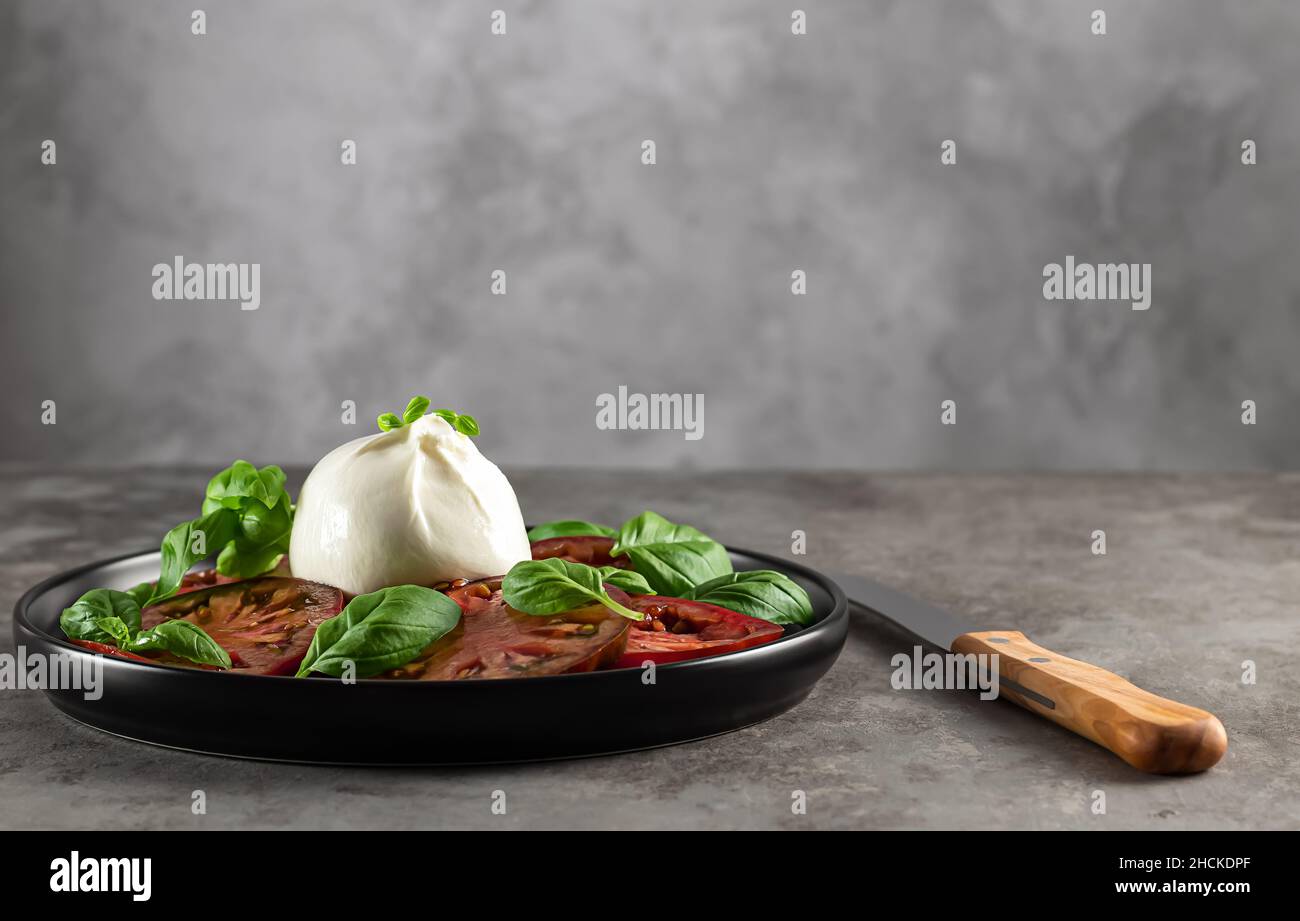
(434, 722)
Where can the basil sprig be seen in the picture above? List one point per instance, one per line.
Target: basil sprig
(182, 638)
(264, 518)
(461, 422)
(570, 528)
(762, 593)
(379, 631)
(417, 407)
(682, 562)
(112, 617)
(246, 519)
(116, 628)
(83, 621)
(674, 558)
(240, 482)
(629, 580)
(189, 542)
(553, 586)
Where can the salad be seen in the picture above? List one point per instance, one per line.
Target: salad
(406, 557)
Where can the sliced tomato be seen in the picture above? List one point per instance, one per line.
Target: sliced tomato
(266, 624)
(106, 650)
(675, 630)
(590, 549)
(493, 640)
(206, 578)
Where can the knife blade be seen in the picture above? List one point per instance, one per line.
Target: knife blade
(1151, 733)
(934, 625)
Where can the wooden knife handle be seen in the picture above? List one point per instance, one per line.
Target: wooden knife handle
(1149, 732)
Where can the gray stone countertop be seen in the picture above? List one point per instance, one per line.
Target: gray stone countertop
(1201, 574)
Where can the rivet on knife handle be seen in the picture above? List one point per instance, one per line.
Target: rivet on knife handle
(1149, 732)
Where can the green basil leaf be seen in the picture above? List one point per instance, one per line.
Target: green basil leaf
(261, 540)
(228, 560)
(461, 422)
(762, 593)
(263, 523)
(246, 518)
(246, 563)
(381, 630)
(270, 490)
(674, 558)
(82, 620)
(554, 586)
(628, 580)
(185, 639)
(181, 548)
(242, 481)
(140, 594)
(260, 526)
(570, 528)
(116, 628)
(415, 409)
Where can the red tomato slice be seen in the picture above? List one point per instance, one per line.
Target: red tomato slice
(266, 624)
(675, 630)
(106, 650)
(590, 549)
(206, 578)
(493, 640)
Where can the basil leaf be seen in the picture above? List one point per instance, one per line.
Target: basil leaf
(246, 518)
(140, 594)
(82, 621)
(461, 422)
(674, 558)
(241, 481)
(628, 580)
(381, 630)
(262, 526)
(570, 528)
(116, 628)
(179, 550)
(182, 638)
(762, 593)
(466, 424)
(105, 615)
(260, 541)
(248, 563)
(553, 586)
(259, 535)
(415, 409)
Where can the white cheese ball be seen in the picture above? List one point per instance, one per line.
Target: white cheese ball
(416, 505)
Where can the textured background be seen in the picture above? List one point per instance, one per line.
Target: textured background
(775, 152)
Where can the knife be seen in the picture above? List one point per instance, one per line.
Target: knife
(1151, 733)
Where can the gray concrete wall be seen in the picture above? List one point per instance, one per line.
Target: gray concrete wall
(775, 152)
